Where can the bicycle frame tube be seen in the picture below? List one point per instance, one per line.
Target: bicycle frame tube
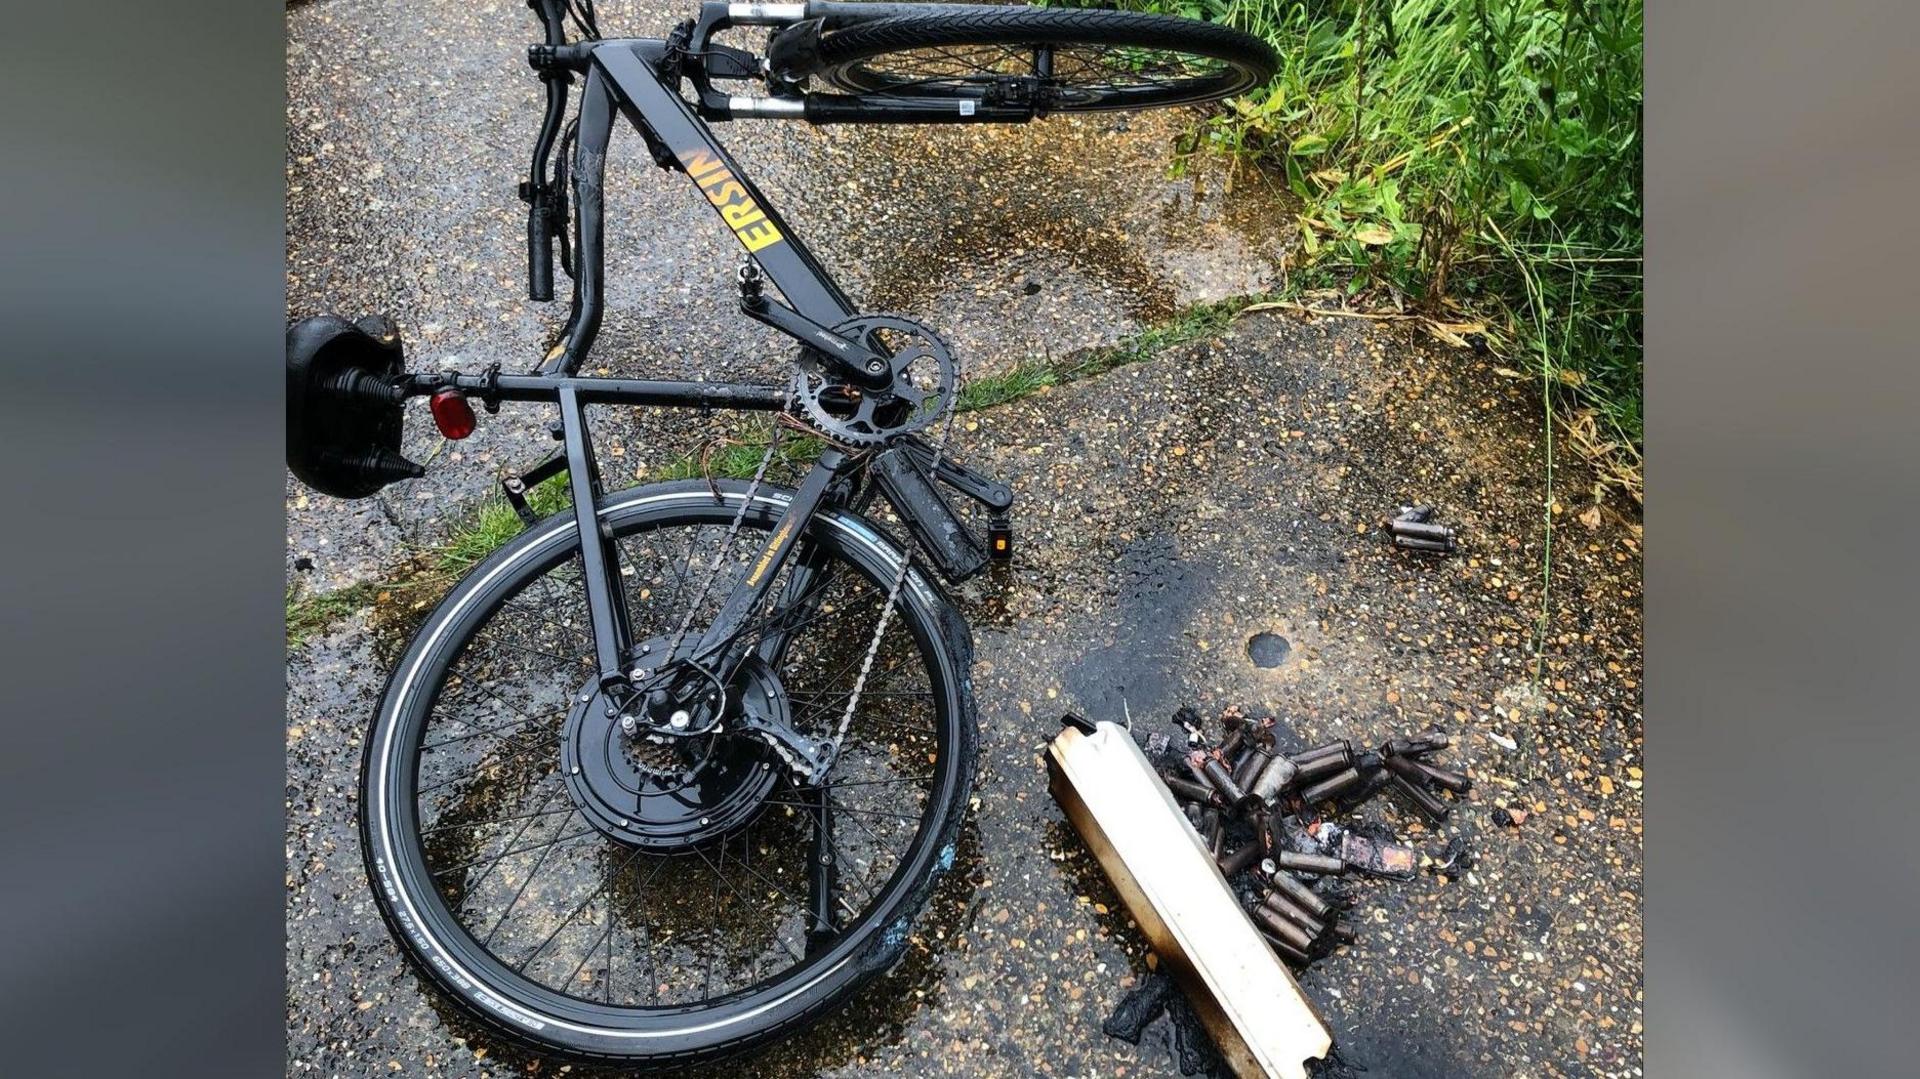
(624, 76)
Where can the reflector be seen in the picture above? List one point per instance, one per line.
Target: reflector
(452, 414)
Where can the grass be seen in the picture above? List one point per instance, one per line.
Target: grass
(1479, 155)
(309, 615)
(495, 522)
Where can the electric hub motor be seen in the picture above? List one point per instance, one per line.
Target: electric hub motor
(662, 791)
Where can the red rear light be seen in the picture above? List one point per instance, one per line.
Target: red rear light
(452, 414)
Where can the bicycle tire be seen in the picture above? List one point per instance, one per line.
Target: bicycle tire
(915, 54)
(438, 946)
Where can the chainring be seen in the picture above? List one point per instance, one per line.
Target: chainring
(925, 378)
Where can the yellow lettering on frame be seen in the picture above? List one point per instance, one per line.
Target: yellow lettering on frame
(741, 214)
(758, 235)
(725, 192)
(699, 163)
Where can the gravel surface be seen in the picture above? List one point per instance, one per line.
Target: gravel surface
(1169, 511)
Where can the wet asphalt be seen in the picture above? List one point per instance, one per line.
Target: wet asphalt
(1168, 512)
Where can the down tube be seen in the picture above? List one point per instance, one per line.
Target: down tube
(651, 106)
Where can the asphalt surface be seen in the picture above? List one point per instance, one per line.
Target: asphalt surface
(1167, 513)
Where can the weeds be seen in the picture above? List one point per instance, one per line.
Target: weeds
(309, 615)
(1467, 153)
(495, 522)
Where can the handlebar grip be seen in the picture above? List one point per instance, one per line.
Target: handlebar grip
(539, 250)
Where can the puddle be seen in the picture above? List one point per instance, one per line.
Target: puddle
(1268, 649)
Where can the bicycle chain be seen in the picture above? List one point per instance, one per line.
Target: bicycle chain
(893, 595)
(749, 271)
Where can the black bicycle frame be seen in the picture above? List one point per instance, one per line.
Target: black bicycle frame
(624, 77)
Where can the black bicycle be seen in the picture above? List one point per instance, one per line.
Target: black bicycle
(642, 788)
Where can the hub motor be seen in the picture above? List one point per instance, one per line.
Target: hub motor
(662, 791)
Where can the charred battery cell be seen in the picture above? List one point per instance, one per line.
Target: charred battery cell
(1330, 786)
(1286, 951)
(1324, 765)
(1318, 864)
(1375, 782)
(1248, 766)
(1457, 782)
(1302, 896)
(1417, 746)
(1284, 929)
(1276, 775)
(1217, 775)
(1341, 746)
(1423, 800)
(1240, 859)
(1285, 908)
(1188, 791)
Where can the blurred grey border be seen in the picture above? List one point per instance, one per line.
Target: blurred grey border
(143, 690)
(1783, 497)
(141, 270)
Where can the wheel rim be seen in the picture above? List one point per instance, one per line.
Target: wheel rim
(1082, 76)
(553, 959)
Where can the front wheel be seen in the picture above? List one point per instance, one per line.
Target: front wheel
(1062, 59)
(660, 901)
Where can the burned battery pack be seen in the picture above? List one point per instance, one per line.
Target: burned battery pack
(1259, 1019)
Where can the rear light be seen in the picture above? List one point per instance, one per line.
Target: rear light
(452, 414)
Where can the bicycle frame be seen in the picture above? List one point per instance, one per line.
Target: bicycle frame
(625, 77)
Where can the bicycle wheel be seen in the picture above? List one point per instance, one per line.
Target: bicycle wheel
(1067, 60)
(654, 903)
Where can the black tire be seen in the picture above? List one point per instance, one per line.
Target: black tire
(632, 1031)
(1100, 60)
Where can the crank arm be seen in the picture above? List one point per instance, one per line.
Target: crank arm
(852, 360)
(992, 494)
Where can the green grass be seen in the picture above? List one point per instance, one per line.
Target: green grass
(1479, 155)
(309, 615)
(495, 522)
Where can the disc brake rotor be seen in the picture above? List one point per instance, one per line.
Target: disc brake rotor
(924, 380)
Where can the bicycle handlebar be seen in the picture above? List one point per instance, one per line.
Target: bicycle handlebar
(544, 201)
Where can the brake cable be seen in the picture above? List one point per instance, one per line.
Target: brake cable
(561, 210)
(585, 18)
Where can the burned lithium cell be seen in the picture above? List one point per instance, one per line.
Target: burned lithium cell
(1278, 775)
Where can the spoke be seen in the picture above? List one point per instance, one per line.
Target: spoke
(522, 830)
(838, 783)
(522, 890)
(564, 922)
(875, 836)
(515, 755)
(508, 854)
(529, 651)
(744, 901)
(606, 935)
(776, 886)
(575, 631)
(502, 820)
(845, 809)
